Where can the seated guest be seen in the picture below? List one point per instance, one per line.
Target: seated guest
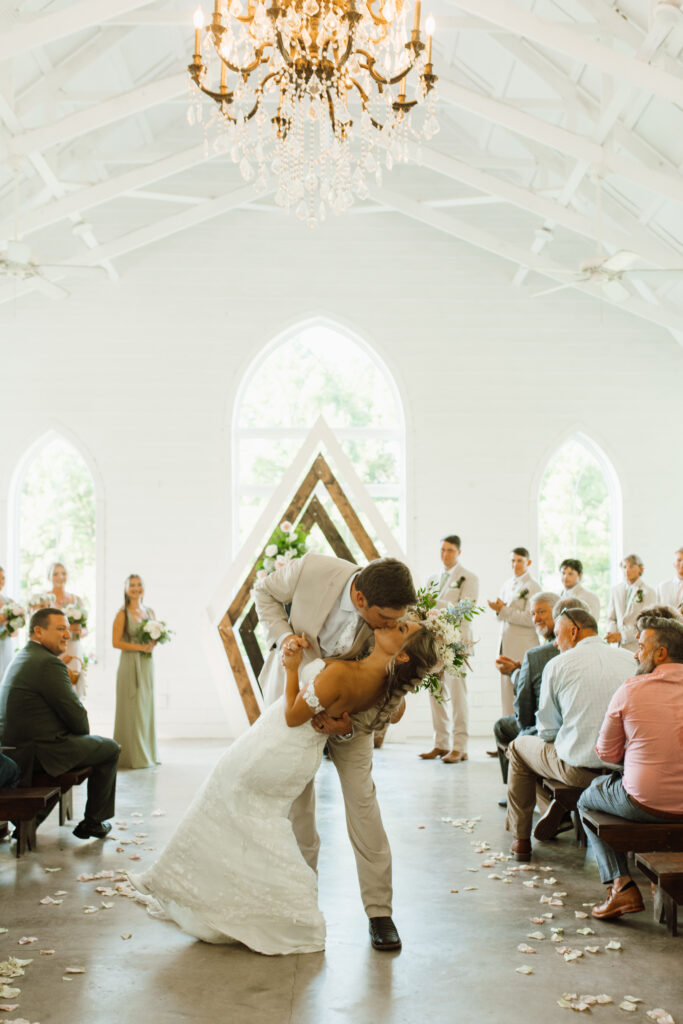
(525, 677)
(670, 592)
(626, 602)
(575, 691)
(9, 773)
(40, 710)
(643, 728)
(571, 573)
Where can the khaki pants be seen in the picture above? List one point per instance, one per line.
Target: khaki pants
(507, 696)
(529, 757)
(353, 761)
(454, 689)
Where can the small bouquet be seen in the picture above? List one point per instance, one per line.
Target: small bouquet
(14, 620)
(156, 631)
(287, 542)
(76, 614)
(42, 599)
(445, 625)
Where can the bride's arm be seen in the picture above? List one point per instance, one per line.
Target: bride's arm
(327, 688)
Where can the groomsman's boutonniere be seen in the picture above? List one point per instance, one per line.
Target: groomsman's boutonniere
(523, 594)
(457, 585)
(639, 597)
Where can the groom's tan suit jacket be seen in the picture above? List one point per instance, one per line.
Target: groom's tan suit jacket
(310, 586)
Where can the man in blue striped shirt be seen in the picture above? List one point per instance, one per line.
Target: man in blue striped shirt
(576, 689)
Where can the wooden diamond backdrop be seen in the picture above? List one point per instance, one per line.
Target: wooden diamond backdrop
(307, 509)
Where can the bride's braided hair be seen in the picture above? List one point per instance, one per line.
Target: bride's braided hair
(405, 676)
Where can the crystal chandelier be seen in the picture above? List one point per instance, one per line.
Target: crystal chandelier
(312, 97)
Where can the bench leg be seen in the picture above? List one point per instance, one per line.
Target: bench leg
(579, 832)
(25, 835)
(670, 913)
(66, 807)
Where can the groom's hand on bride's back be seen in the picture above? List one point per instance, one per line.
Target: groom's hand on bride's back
(332, 726)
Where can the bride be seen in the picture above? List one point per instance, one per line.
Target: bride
(232, 870)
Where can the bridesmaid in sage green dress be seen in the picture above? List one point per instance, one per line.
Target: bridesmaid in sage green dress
(134, 726)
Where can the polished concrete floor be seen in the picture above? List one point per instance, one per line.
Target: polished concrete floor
(459, 957)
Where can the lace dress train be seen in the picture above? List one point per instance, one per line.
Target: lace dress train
(233, 870)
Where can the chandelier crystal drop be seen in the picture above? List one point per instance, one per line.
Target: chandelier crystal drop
(314, 98)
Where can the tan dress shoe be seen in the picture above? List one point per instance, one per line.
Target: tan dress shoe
(623, 901)
(454, 757)
(521, 850)
(436, 752)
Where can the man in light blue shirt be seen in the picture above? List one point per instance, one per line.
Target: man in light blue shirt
(576, 689)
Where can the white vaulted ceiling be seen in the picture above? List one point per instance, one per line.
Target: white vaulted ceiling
(561, 139)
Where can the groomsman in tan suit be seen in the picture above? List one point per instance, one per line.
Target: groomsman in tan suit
(513, 609)
(571, 573)
(626, 603)
(671, 591)
(336, 605)
(455, 583)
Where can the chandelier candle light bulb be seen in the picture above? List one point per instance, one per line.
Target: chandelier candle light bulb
(306, 94)
(430, 25)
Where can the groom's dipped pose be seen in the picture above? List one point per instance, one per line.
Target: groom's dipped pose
(336, 605)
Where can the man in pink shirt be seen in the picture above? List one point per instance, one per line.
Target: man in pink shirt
(643, 728)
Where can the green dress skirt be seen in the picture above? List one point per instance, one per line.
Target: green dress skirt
(134, 726)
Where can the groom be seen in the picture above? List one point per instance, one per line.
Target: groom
(336, 606)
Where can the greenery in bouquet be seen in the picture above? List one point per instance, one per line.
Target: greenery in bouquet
(445, 624)
(153, 629)
(14, 618)
(76, 614)
(287, 542)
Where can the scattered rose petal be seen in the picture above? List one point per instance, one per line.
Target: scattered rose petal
(126, 935)
(89, 910)
(613, 945)
(580, 914)
(106, 906)
(47, 952)
(524, 948)
(452, 890)
(556, 938)
(136, 814)
(592, 949)
(3, 931)
(134, 856)
(420, 826)
(507, 881)
(470, 888)
(158, 814)
(74, 970)
(550, 881)
(573, 954)
(26, 940)
(629, 1007)
(61, 892)
(539, 936)
(632, 999)
(531, 885)
(524, 969)
(141, 835)
(560, 895)
(537, 920)
(66, 978)
(120, 849)
(549, 916)
(564, 1004)
(475, 870)
(497, 878)
(571, 996)
(8, 1007)
(591, 904)
(603, 1000)
(557, 930)
(52, 870)
(585, 931)
(661, 1016)
(556, 903)
(589, 1000)
(8, 992)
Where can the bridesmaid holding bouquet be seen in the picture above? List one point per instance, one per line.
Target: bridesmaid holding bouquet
(74, 609)
(134, 726)
(12, 618)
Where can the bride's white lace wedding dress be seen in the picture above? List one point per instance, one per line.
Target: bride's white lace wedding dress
(233, 870)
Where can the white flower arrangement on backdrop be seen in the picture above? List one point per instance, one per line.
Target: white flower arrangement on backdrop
(287, 542)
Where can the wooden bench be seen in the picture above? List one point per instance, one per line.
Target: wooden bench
(634, 836)
(66, 781)
(665, 870)
(21, 806)
(568, 797)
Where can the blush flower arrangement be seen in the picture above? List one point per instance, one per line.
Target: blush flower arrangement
(286, 543)
(445, 624)
(14, 618)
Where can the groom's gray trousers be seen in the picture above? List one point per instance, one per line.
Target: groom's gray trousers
(353, 760)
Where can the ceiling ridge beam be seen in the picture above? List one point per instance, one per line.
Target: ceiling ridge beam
(555, 137)
(99, 115)
(16, 39)
(584, 50)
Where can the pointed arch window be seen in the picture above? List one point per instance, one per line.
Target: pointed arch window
(55, 519)
(317, 370)
(579, 516)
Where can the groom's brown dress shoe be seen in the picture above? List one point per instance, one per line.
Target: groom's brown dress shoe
(521, 850)
(552, 821)
(383, 934)
(624, 901)
(432, 754)
(454, 757)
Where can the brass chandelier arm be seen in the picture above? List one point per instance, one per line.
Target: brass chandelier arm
(258, 59)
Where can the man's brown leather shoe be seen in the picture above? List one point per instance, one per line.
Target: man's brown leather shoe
(454, 757)
(521, 850)
(551, 823)
(436, 752)
(625, 901)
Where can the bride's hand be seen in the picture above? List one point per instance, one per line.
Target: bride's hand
(292, 650)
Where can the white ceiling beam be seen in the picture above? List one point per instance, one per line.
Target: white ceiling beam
(584, 50)
(16, 39)
(99, 115)
(103, 192)
(490, 243)
(554, 137)
(48, 87)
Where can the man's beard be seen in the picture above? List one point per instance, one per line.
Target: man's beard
(646, 666)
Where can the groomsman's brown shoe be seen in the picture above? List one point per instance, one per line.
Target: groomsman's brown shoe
(436, 752)
(521, 850)
(454, 757)
(623, 901)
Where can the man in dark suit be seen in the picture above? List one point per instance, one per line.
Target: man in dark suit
(40, 713)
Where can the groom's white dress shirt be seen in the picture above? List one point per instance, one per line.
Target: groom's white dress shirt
(626, 602)
(583, 594)
(671, 592)
(340, 626)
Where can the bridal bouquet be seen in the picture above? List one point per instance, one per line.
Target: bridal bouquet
(152, 629)
(15, 618)
(76, 614)
(42, 599)
(287, 542)
(445, 624)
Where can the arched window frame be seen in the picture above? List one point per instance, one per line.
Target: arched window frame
(57, 432)
(238, 433)
(605, 462)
